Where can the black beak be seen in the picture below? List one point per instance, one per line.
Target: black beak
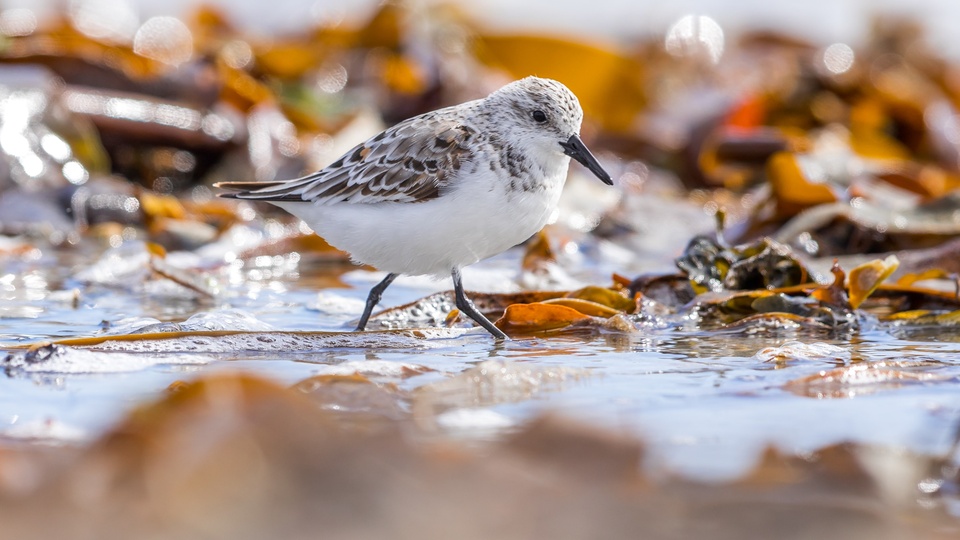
(575, 148)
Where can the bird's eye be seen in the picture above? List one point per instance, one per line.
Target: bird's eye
(539, 116)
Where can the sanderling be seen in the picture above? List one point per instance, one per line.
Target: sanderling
(445, 189)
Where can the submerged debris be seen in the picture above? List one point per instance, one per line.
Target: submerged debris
(862, 379)
(762, 265)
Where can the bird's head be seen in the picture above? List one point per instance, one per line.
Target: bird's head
(543, 115)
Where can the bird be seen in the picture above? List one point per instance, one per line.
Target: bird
(445, 189)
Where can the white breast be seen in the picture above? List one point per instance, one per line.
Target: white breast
(479, 218)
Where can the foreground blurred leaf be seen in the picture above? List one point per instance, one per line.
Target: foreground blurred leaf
(360, 403)
(491, 382)
(237, 456)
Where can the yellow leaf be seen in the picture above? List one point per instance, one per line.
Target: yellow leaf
(156, 249)
(910, 315)
(156, 206)
(240, 88)
(864, 279)
(907, 280)
(288, 59)
(584, 306)
(607, 297)
(385, 27)
(403, 74)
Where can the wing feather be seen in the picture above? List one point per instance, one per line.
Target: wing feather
(410, 162)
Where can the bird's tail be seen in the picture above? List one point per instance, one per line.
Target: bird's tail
(252, 191)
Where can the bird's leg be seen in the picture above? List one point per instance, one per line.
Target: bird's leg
(374, 298)
(465, 305)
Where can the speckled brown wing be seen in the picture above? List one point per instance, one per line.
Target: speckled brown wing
(410, 162)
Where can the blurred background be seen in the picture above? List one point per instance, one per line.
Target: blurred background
(823, 21)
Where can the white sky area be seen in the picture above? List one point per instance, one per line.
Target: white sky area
(823, 21)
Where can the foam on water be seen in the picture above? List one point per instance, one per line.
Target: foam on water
(497, 381)
(126, 264)
(373, 368)
(331, 303)
(800, 351)
(285, 342)
(474, 422)
(63, 360)
(226, 319)
(44, 431)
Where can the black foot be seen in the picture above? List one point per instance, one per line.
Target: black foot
(465, 305)
(373, 299)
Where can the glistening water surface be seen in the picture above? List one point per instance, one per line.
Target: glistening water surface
(705, 403)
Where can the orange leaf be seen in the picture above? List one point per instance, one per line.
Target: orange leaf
(609, 85)
(748, 113)
(288, 60)
(537, 317)
(791, 188)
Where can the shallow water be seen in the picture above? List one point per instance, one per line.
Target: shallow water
(703, 402)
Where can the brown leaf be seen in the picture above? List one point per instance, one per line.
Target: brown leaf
(837, 468)
(355, 401)
(583, 450)
(835, 293)
(538, 253)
